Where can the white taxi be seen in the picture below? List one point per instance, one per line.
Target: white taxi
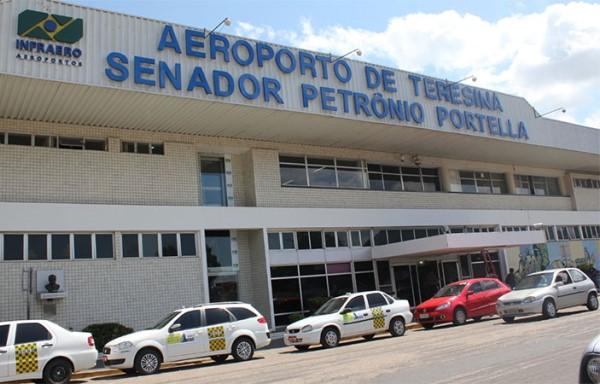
(213, 330)
(352, 315)
(40, 349)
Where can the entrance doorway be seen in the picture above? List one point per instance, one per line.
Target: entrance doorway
(419, 282)
(429, 279)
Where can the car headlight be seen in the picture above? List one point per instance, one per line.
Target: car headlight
(124, 345)
(307, 328)
(529, 299)
(593, 369)
(443, 306)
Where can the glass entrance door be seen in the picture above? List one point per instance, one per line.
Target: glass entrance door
(429, 279)
(450, 271)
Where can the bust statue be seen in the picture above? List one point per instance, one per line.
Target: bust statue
(52, 287)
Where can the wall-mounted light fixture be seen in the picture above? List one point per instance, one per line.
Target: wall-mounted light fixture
(537, 115)
(358, 53)
(472, 77)
(226, 21)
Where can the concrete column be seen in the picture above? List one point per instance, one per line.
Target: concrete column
(445, 180)
(204, 267)
(268, 273)
(510, 183)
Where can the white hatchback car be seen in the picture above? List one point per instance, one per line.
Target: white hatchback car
(213, 330)
(352, 315)
(40, 349)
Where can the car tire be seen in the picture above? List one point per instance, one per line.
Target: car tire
(549, 309)
(242, 349)
(397, 327)
(219, 358)
(330, 337)
(147, 361)
(477, 318)
(58, 371)
(302, 347)
(428, 326)
(508, 319)
(460, 316)
(369, 337)
(592, 302)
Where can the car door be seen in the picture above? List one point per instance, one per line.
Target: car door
(582, 284)
(493, 290)
(355, 317)
(379, 312)
(33, 347)
(567, 292)
(219, 328)
(475, 300)
(6, 358)
(185, 337)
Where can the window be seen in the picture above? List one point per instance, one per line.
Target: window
(577, 276)
(37, 247)
(61, 247)
(482, 182)
(286, 295)
(488, 285)
(31, 333)
(365, 238)
(223, 287)
(587, 183)
(149, 245)
(1, 137)
(380, 236)
(342, 239)
(188, 244)
(355, 236)
(314, 292)
(95, 145)
(287, 239)
(284, 271)
(383, 272)
(312, 269)
(274, 242)
(19, 139)
(356, 304)
(241, 313)
(218, 249)
(394, 236)
(104, 246)
(329, 239)
(147, 148)
(3, 330)
(309, 240)
(364, 276)
(216, 316)
(568, 232)
(475, 288)
(393, 178)
(591, 231)
(130, 245)
(189, 320)
(45, 141)
(13, 247)
(320, 172)
(339, 284)
(212, 179)
(168, 244)
(376, 300)
(316, 240)
(303, 240)
(549, 233)
(70, 142)
(82, 246)
(537, 185)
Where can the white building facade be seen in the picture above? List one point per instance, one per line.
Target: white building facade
(150, 166)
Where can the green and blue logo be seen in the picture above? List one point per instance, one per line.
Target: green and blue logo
(41, 25)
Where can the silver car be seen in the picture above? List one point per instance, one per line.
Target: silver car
(546, 292)
(589, 370)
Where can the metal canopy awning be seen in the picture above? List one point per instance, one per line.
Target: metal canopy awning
(458, 243)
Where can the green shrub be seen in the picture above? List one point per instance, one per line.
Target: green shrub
(103, 333)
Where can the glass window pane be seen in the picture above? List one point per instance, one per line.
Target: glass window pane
(376, 300)
(363, 266)
(223, 288)
(499, 187)
(285, 271)
(365, 237)
(143, 148)
(13, 247)
(1, 137)
(291, 159)
(431, 184)
(376, 181)
(553, 189)
(104, 246)
(392, 182)
(312, 269)
(319, 161)
(273, 239)
(130, 245)
(288, 240)
(218, 249)
(408, 234)
(127, 146)
(338, 268)
(321, 176)
(412, 183)
(169, 244)
(188, 244)
(314, 292)
(4, 334)
(95, 145)
(484, 186)
(157, 149)
(189, 320)
(70, 142)
(420, 233)
(383, 272)
(303, 242)
(293, 175)
(216, 316)
(83, 246)
(37, 247)
(394, 236)
(365, 282)
(468, 185)
(212, 171)
(316, 240)
(149, 245)
(350, 178)
(342, 239)
(340, 284)
(286, 295)
(357, 303)
(31, 333)
(380, 236)
(45, 141)
(330, 239)
(60, 247)
(19, 139)
(355, 236)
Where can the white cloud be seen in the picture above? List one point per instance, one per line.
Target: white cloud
(551, 58)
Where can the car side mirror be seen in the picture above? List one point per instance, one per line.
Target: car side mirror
(469, 293)
(558, 284)
(174, 327)
(346, 310)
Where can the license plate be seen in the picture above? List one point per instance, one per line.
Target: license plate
(294, 339)
(104, 358)
(424, 316)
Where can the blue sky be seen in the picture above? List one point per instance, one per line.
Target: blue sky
(545, 51)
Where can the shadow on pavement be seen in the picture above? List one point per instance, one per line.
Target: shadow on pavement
(531, 319)
(315, 348)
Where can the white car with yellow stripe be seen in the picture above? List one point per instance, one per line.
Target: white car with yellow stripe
(40, 349)
(353, 315)
(213, 330)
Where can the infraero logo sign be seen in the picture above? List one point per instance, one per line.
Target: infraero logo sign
(60, 32)
(40, 25)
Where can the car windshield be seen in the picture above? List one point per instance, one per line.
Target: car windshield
(331, 306)
(540, 280)
(165, 320)
(450, 290)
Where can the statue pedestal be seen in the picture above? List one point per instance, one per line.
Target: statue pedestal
(52, 296)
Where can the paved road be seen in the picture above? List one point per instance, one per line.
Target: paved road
(529, 351)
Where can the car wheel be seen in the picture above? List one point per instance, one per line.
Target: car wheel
(302, 347)
(477, 318)
(428, 325)
(369, 337)
(147, 361)
(460, 316)
(397, 327)
(242, 349)
(330, 338)
(592, 302)
(508, 319)
(219, 358)
(58, 372)
(549, 309)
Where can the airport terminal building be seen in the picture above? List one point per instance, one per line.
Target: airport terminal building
(148, 166)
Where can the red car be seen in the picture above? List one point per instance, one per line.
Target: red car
(456, 302)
